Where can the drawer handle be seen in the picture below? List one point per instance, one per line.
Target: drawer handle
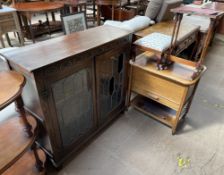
(153, 96)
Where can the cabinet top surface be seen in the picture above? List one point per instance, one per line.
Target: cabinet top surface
(41, 54)
(178, 72)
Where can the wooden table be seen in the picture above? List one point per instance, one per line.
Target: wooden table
(213, 15)
(9, 23)
(76, 85)
(26, 11)
(163, 95)
(14, 143)
(72, 6)
(220, 7)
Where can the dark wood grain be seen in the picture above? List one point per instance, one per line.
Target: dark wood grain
(37, 6)
(13, 141)
(64, 77)
(51, 51)
(25, 165)
(11, 86)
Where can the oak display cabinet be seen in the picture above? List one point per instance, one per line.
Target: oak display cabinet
(76, 85)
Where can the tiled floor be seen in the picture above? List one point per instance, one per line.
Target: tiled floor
(137, 145)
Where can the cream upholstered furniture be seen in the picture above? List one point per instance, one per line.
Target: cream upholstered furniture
(156, 41)
(9, 22)
(187, 34)
(158, 38)
(135, 24)
(159, 10)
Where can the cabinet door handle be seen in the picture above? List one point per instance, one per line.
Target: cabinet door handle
(154, 97)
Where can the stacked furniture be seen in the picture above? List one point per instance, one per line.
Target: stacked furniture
(15, 158)
(9, 23)
(164, 84)
(163, 95)
(213, 15)
(156, 12)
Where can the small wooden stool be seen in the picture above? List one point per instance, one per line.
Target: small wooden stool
(14, 145)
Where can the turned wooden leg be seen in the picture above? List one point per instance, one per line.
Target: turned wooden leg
(39, 163)
(21, 110)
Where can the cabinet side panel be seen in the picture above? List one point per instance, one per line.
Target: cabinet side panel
(30, 93)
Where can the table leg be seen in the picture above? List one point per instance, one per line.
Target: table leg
(2, 42)
(178, 113)
(8, 40)
(98, 15)
(53, 16)
(31, 32)
(207, 40)
(128, 98)
(94, 10)
(39, 163)
(21, 110)
(175, 31)
(112, 17)
(21, 38)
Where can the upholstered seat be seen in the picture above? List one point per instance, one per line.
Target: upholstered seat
(135, 24)
(161, 42)
(155, 41)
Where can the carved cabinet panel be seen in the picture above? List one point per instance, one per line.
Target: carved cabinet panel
(69, 103)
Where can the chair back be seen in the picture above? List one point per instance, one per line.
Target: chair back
(165, 14)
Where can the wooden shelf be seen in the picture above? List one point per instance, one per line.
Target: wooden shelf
(11, 86)
(26, 165)
(154, 109)
(14, 142)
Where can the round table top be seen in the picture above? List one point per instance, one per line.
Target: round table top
(74, 2)
(14, 143)
(37, 6)
(108, 2)
(11, 84)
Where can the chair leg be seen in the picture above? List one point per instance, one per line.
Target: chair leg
(8, 40)
(21, 110)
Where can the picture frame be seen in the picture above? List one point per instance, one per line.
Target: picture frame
(74, 22)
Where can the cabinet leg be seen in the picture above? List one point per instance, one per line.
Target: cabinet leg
(39, 163)
(173, 131)
(21, 110)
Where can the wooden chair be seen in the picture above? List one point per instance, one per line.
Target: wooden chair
(14, 146)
